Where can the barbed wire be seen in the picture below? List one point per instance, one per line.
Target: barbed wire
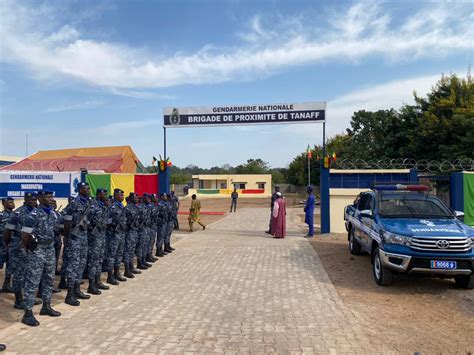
(433, 166)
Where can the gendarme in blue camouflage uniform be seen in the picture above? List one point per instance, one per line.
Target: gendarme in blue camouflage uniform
(12, 239)
(116, 238)
(38, 240)
(8, 207)
(96, 241)
(134, 220)
(77, 216)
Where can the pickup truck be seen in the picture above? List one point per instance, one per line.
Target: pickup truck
(407, 230)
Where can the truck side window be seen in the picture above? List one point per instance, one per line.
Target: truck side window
(364, 202)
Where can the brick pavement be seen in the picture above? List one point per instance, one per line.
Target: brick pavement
(230, 289)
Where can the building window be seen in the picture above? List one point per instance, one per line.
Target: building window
(223, 185)
(261, 186)
(240, 186)
(201, 184)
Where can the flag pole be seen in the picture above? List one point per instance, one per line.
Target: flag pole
(309, 171)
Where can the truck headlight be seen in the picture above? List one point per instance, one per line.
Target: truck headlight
(393, 238)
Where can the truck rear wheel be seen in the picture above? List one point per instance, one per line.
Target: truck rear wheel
(354, 246)
(465, 281)
(382, 275)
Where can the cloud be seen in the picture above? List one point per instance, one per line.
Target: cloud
(38, 39)
(78, 106)
(388, 95)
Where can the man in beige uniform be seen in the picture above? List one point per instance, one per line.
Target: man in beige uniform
(195, 213)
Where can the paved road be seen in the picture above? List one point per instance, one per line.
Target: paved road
(229, 289)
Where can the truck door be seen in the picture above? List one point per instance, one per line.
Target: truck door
(365, 204)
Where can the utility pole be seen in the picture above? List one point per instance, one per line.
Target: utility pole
(26, 145)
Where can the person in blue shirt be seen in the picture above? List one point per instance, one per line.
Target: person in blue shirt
(309, 212)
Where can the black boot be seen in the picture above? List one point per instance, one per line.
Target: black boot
(71, 298)
(62, 283)
(133, 270)
(140, 264)
(6, 285)
(19, 301)
(46, 310)
(92, 289)
(159, 251)
(168, 248)
(111, 278)
(128, 271)
(99, 283)
(144, 262)
(118, 275)
(29, 319)
(79, 294)
(150, 258)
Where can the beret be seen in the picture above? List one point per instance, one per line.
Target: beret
(45, 192)
(131, 194)
(99, 190)
(5, 199)
(31, 194)
(146, 194)
(118, 191)
(82, 184)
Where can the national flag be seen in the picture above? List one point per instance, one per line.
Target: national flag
(309, 152)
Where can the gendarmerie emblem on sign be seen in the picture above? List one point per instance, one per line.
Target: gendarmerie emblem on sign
(174, 117)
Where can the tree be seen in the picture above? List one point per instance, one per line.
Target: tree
(445, 121)
(297, 173)
(253, 166)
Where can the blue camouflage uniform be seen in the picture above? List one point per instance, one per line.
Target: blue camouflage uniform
(148, 227)
(169, 221)
(133, 214)
(161, 223)
(153, 227)
(58, 243)
(15, 249)
(96, 238)
(142, 232)
(76, 245)
(116, 235)
(40, 260)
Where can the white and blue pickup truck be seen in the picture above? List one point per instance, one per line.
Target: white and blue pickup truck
(407, 230)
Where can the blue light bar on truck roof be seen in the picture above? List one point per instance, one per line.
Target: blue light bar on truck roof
(401, 187)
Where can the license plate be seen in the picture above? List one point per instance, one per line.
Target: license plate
(443, 264)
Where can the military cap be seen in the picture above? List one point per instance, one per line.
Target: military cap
(146, 194)
(99, 190)
(5, 199)
(118, 191)
(131, 194)
(31, 194)
(82, 184)
(45, 192)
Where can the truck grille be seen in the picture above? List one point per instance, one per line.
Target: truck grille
(451, 244)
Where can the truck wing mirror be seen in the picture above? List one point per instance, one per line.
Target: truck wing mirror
(366, 213)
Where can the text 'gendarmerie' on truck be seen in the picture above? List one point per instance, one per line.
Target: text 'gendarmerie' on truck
(407, 230)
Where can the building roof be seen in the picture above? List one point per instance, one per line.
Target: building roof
(119, 159)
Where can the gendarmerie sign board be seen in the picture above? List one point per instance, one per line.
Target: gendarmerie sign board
(309, 112)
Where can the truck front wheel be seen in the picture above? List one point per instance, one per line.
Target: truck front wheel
(382, 275)
(465, 281)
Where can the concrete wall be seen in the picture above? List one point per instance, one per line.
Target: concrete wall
(340, 198)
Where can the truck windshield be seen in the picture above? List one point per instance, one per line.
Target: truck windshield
(401, 206)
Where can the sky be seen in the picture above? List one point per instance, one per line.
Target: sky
(98, 73)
